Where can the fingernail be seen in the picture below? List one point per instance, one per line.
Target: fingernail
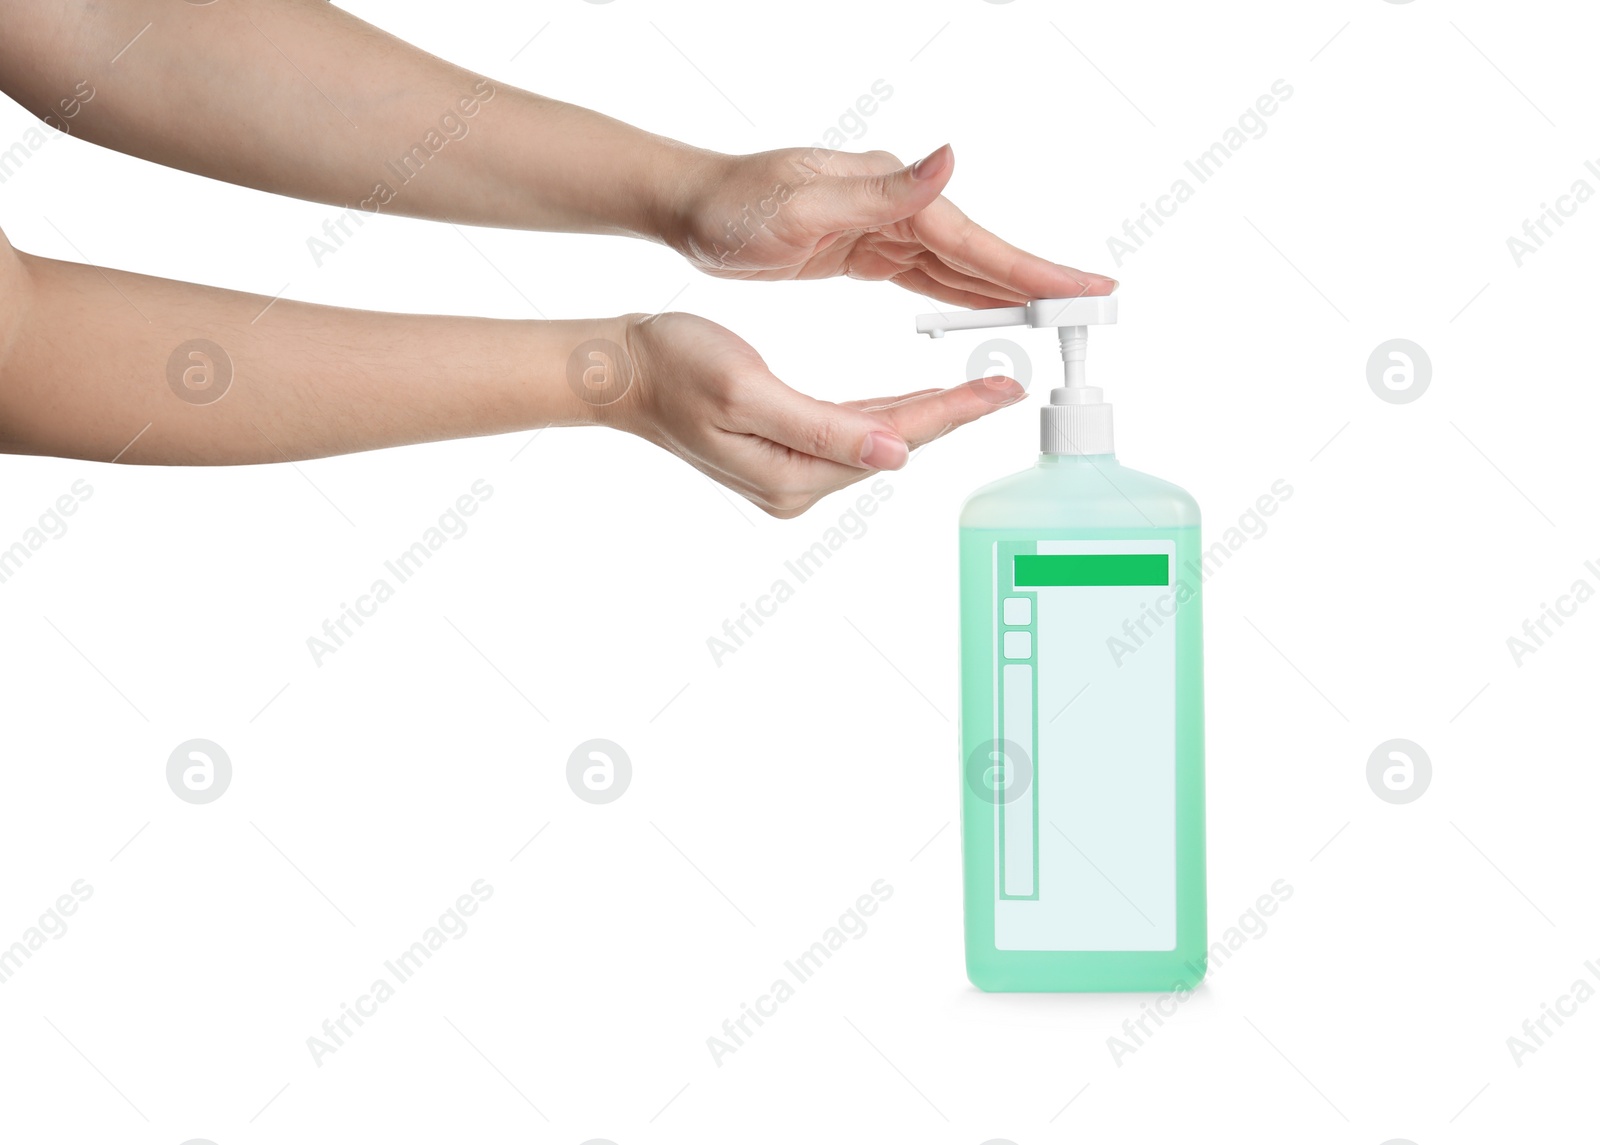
(998, 390)
(883, 451)
(1090, 280)
(923, 168)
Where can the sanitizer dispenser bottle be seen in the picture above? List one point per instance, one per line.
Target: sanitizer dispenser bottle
(1082, 742)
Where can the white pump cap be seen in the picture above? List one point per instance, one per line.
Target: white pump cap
(1078, 419)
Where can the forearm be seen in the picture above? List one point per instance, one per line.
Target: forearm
(98, 359)
(300, 98)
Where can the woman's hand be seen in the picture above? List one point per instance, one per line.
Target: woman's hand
(310, 381)
(514, 159)
(700, 391)
(811, 213)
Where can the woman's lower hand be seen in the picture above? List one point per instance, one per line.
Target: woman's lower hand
(701, 392)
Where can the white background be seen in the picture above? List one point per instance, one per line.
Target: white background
(770, 792)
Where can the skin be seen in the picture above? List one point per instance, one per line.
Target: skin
(300, 98)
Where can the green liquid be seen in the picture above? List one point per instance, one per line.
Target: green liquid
(1070, 499)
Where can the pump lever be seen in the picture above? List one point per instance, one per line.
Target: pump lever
(934, 325)
(1043, 312)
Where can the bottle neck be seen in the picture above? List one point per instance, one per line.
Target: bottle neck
(1075, 460)
(1076, 422)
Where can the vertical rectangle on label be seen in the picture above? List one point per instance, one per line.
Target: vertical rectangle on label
(1103, 797)
(1019, 791)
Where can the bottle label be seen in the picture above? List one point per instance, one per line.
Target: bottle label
(1084, 711)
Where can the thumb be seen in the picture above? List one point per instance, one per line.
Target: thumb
(855, 202)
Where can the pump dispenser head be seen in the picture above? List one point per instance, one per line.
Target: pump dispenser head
(1078, 419)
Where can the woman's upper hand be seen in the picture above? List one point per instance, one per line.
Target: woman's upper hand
(811, 213)
(700, 391)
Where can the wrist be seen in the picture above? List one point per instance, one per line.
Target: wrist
(599, 361)
(685, 179)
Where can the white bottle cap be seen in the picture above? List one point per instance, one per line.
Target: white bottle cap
(1078, 419)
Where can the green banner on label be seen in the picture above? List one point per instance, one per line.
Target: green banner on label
(1058, 570)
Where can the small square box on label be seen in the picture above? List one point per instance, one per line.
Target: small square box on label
(1018, 609)
(1018, 645)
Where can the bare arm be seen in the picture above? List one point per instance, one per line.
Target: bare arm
(110, 366)
(209, 376)
(298, 97)
(301, 98)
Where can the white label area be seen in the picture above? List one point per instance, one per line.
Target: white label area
(1086, 855)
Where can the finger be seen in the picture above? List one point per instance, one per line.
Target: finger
(862, 202)
(968, 248)
(920, 420)
(879, 403)
(918, 281)
(785, 481)
(840, 434)
(940, 271)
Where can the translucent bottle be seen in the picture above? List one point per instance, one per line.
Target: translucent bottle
(1082, 724)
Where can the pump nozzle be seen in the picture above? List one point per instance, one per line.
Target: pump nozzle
(1077, 420)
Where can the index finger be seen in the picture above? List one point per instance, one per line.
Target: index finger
(920, 419)
(967, 247)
